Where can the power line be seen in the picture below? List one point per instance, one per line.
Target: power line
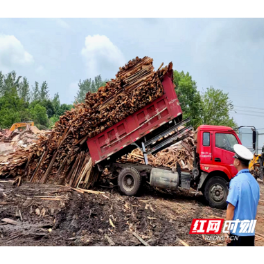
(249, 107)
(249, 111)
(247, 114)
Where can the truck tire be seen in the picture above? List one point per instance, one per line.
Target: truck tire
(129, 181)
(215, 192)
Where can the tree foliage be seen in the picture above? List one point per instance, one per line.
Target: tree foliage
(88, 85)
(216, 107)
(56, 104)
(53, 120)
(39, 115)
(11, 107)
(19, 104)
(1, 83)
(63, 108)
(44, 91)
(35, 95)
(23, 90)
(211, 107)
(189, 97)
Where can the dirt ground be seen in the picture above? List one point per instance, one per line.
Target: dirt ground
(49, 215)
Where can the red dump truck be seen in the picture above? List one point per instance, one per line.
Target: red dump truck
(150, 129)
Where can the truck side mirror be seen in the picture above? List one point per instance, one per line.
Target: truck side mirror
(254, 134)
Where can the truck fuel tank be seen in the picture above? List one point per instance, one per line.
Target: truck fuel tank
(164, 179)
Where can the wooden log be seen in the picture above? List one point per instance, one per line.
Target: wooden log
(71, 171)
(75, 182)
(86, 183)
(40, 161)
(44, 179)
(87, 167)
(60, 168)
(75, 171)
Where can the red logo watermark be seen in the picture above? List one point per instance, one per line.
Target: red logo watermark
(206, 226)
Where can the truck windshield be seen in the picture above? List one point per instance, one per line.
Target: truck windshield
(225, 141)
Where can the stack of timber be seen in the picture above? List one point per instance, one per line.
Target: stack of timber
(180, 152)
(62, 156)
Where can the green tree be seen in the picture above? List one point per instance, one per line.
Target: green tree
(49, 107)
(25, 114)
(98, 82)
(47, 104)
(53, 120)
(1, 83)
(88, 85)
(8, 81)
(189, 97)
(44, 91)
(7, 118)
(24, 92)
(38, 112)
(16, 106)
(35, 92)
(11, 107)
(64, 108)
(216, 107)
(84, 87)
(56, 104)
(11, 80)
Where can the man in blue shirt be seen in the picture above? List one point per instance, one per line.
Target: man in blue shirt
(242, 200)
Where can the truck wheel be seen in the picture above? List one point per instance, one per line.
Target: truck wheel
(215, 192)
(129, 181)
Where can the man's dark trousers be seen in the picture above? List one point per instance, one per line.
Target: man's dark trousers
(241, 240)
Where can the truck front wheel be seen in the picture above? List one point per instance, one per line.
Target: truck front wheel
(129, 181)
(215, 192)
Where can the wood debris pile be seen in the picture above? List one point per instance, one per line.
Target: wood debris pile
(22, 137)
(3, 134)
(62, 157)
(12, 141)
(180, 152)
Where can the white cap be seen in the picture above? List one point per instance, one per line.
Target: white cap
(242, 152)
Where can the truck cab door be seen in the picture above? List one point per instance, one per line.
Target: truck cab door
(206, 148)
(223, 150)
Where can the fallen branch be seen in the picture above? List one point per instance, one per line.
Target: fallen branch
(183, 243)
(9, 221)
(140, 239)
(110, 241)
(87, 191)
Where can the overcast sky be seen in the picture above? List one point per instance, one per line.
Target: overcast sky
(227, 54)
